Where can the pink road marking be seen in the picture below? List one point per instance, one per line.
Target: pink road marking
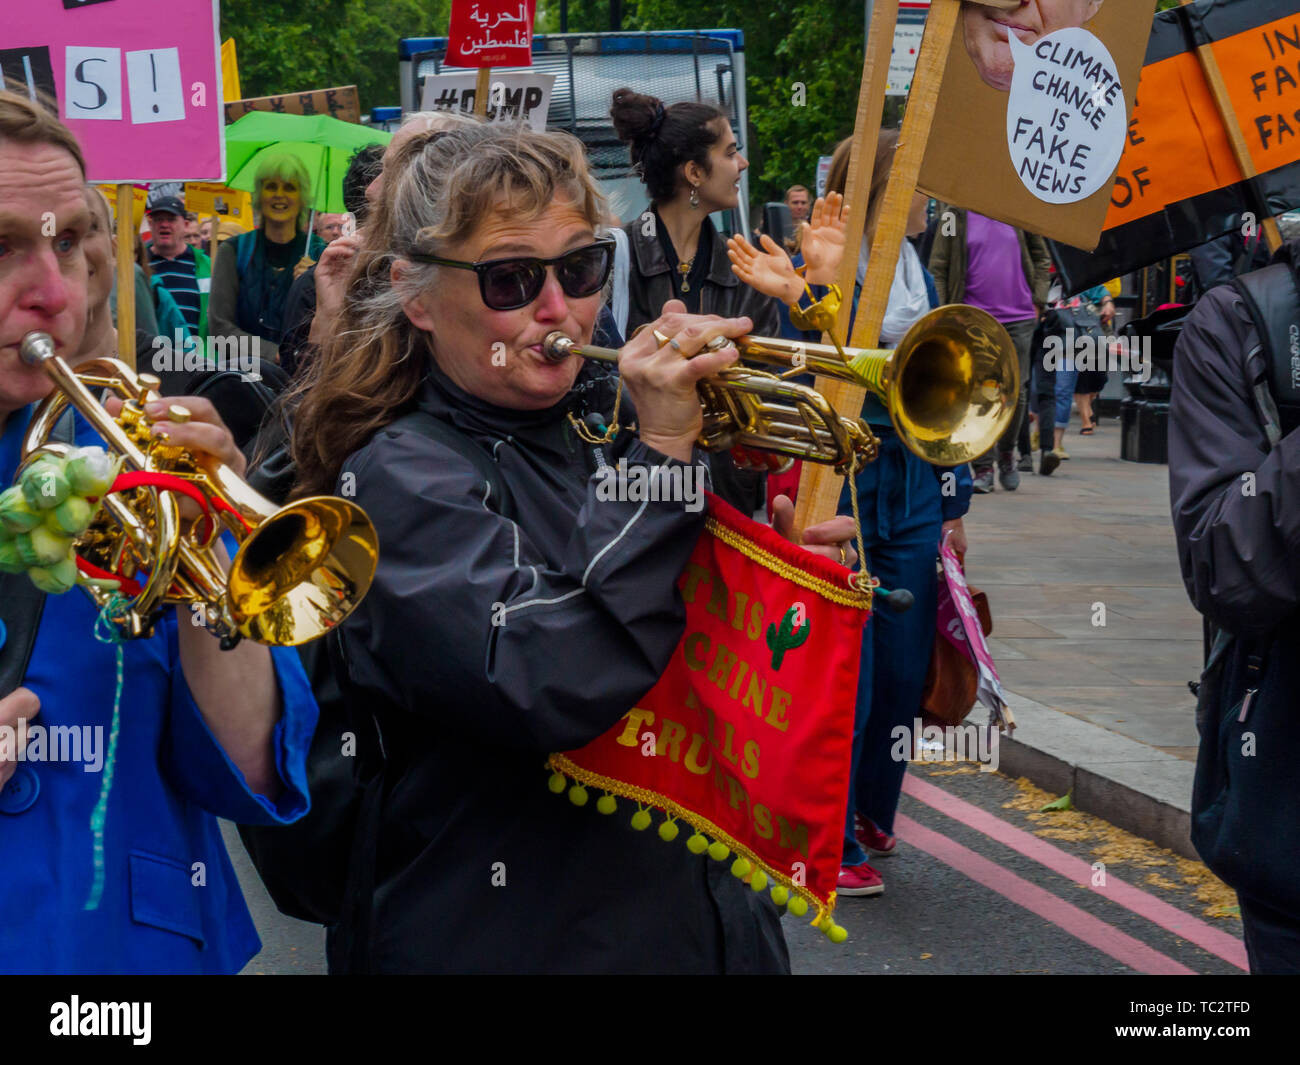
(1066, 916)
(1171, 918)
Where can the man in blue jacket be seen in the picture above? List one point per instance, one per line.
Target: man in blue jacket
(110, 852)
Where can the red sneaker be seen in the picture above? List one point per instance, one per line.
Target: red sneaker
(859, 880)
(875, 841)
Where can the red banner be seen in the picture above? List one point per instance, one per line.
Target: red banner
(491, 33)
(747, 736)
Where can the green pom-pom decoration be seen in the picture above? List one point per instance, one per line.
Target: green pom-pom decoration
(578, 795)
(606, 804)
(15, 513)
(759, 880)
(557, 783)
(56, 579)
(668, 831)
(641, 820)
(44, 483)
(10, 560)
(23, 545)
(91, 471)
(780, 894)
(798, 905)
(740, 868)
(49, 547)
(718, 851)
(71, 517)
(836, 933)
(697, 844)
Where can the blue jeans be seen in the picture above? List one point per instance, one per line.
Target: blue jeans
(1065, 382)
(902, 518)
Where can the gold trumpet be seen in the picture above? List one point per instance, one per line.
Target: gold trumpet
(298, 572)
(950, 388)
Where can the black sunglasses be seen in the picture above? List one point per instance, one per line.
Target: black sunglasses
(508, 284)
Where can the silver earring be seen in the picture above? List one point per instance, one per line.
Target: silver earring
(695, 197)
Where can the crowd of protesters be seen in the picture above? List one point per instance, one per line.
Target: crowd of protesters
(460, 236)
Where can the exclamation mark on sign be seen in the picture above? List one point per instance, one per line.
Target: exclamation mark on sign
(31, 81)
(153, 69)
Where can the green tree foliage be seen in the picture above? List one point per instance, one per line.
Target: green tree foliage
(286, 46)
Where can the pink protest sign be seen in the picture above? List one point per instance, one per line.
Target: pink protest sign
(960, 624)
(138, 82)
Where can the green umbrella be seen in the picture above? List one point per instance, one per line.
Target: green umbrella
(324, 145)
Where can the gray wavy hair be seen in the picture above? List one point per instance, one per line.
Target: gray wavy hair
(438, 190)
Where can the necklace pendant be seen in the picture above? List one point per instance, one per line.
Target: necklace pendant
(686, 285)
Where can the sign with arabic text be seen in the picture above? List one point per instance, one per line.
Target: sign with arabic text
(491, 33)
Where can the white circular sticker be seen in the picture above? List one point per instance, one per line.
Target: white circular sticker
(1066, 115)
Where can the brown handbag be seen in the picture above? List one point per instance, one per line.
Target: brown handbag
(952, 680)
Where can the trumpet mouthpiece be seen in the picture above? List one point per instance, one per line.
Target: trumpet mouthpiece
(36, 348)
(557, 347)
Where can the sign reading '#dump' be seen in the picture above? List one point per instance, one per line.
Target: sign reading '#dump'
(141, 113)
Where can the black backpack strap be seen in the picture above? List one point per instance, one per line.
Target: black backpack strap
(1274, 304)
(424, 423)
(21, 603)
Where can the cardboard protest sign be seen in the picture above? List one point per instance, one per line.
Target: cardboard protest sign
(141, 112)
(511, 96)
(747, 736)
(491, 33)
(341, 102)
(1031, 119)
(1179, 184)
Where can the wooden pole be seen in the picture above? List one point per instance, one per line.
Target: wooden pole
(820, 486)
(1219, 89)
(481, 89)
(126, 274)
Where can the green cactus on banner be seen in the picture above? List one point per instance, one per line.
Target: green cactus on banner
(785, 639)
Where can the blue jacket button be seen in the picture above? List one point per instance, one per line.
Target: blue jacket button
(20, 792)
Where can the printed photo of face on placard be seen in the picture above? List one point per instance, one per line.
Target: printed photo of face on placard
(988, 31)
(1032, 116)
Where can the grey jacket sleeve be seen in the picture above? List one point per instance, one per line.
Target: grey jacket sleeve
(224, 301)
(467, 624)
(1236, 504)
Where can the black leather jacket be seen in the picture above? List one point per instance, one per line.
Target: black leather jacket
(651, 284)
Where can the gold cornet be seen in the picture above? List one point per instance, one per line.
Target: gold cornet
(950, 388)
(299, 571)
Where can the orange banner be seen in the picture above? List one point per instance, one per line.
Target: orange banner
(747, 736)
(1178, 145)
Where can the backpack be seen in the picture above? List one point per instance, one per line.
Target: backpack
(1243, 820)
(315, 866)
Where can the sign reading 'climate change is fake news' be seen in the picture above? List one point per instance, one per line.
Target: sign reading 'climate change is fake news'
(142, 92)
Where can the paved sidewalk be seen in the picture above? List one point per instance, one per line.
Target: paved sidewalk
(1093, 634)
(1092, 543)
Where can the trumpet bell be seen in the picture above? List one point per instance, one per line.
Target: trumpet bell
(302, 571)
(951, 386)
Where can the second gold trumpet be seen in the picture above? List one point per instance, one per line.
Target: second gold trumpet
(950, 388)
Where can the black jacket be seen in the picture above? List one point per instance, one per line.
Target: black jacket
(586, 611)
(651, 284)
(1236, 511)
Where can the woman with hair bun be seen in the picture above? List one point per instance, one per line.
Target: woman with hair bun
(689, 159)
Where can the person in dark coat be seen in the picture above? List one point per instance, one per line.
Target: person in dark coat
(498, 631)
(1235, 490)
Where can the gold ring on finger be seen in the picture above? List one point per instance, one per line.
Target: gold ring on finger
(844, 556)
(663, 338)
